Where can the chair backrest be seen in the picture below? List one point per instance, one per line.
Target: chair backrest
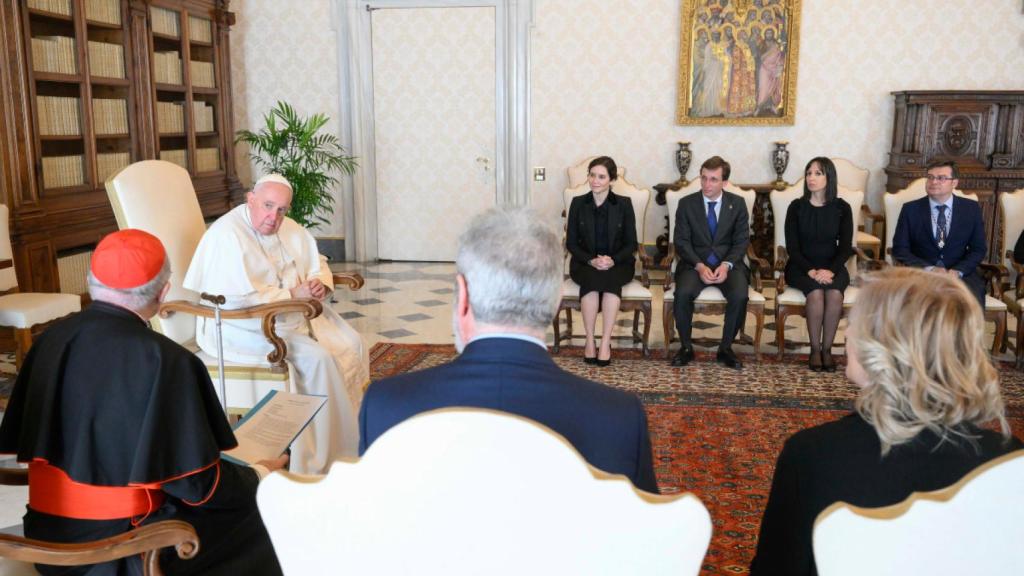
(640, 197)
(1011, 209)
(158, 197)
(577, 173)
(893, 204)
(850, 175)
(972, 527)
(465, 491)
(8, 278)
(780, 201)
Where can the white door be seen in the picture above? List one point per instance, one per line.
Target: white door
(435, 126)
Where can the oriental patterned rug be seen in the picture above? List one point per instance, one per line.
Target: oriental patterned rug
(715, 432)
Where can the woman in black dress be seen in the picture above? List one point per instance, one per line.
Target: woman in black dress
(928, 394)
(601, 237)
(819, 239)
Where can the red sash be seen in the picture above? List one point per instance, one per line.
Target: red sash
(53, 492)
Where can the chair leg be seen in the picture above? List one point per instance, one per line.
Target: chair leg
(997, 340)
(568, 325)
(780, 331)
(558, 334)
(1018, 351)
(645, 308)
(668, 327)
(22, 342)
(759, 315)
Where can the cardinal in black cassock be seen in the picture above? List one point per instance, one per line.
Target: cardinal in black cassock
(121, 427)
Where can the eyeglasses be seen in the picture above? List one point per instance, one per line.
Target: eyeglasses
(939, 179)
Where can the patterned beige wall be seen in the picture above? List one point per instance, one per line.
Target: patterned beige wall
(284, 50)
(604, 76)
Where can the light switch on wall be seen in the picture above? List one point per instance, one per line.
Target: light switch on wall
(538, 173)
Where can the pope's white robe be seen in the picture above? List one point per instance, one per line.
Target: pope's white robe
(248, 268)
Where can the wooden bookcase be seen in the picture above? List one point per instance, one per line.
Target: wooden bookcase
(90, 86)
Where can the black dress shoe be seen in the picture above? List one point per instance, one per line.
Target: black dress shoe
(590, 359)
(827, 363)
(728, 358)
(683, 357)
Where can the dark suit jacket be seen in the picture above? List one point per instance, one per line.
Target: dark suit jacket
(607, 426)
(842, 461)
(913, 243)
(692, 236)
(580, 230)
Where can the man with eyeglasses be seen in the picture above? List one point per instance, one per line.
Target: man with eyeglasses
(943, 232)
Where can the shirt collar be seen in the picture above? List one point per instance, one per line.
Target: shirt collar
(512, 335)
(948, 203)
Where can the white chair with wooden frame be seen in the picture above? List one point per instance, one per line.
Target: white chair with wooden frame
(494, 494)
(995, 309)
(1011, 213)
(636, 295)
(23, 311)
(788, 300)
(158, 197)
(971, 527)
(711, 301)
(853, 178)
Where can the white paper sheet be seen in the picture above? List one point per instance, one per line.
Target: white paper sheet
(271, 426)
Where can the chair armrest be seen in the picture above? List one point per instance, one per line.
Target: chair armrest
(14, 476)
(866, 263)
(6, 263)
(757, 264)
(993, 275)
(666, 262)
(147, 540)
(309, 308)
(875, 217)
(1019, 269)
(353, 280)
(781, 258)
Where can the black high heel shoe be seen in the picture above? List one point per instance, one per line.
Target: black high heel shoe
(814, 361)
(589, 359)
(827, 363)
(603, 363)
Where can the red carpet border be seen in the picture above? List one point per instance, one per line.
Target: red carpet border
(715, 431)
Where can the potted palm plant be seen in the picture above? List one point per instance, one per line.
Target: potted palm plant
(290, 145)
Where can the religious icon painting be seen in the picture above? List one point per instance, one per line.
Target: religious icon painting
(738, 62)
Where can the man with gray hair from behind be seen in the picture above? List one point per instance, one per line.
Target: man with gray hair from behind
(507, 290)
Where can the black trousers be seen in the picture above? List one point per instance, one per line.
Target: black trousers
(735, 290)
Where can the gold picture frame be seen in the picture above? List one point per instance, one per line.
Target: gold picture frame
(738, 62)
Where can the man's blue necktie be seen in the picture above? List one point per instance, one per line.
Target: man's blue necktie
(712, 227)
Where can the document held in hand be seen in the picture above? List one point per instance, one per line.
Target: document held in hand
(270, 427)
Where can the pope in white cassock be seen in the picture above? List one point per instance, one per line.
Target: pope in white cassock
(253, 255)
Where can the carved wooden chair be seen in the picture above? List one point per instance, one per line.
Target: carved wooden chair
(971, 527)
(711, 301)
(788, 300)
(158, 197)
(18, 554)
(995, 308)
(636, 295)
(1011, 210)
(514, 495)
(24, 310)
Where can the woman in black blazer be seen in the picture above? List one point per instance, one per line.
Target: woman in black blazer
(601, 238)
(819, 240)
(915, 349)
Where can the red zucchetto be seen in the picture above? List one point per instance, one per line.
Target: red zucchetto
(127, 259)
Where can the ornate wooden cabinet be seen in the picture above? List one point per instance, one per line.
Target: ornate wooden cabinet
(89, 86)
(983, 131)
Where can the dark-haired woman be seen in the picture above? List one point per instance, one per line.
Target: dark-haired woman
(601, 238)
(819, 239)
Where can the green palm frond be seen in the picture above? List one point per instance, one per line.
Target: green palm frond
(292, 146)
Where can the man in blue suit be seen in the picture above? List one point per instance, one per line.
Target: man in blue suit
(508, 287)
(943, 232)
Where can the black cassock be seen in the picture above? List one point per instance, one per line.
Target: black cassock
(112, 403)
